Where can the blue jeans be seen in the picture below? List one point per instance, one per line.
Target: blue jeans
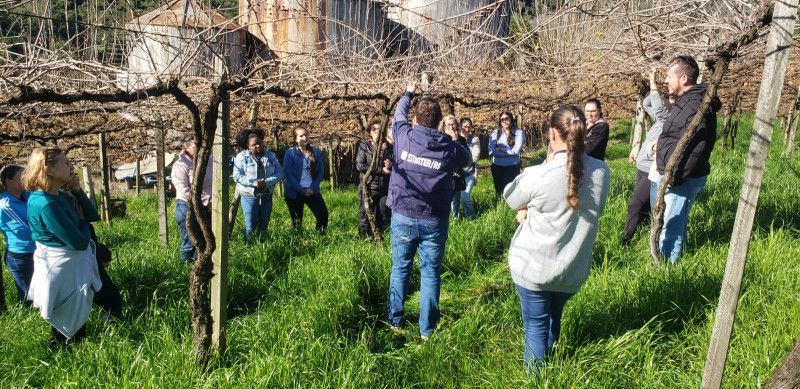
(257, 212)
(462, 198)
(21, 268)
(541, 319)
(187, 250)
(408, 235)
(678, 202)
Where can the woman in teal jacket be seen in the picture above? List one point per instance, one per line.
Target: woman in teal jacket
(65, 271)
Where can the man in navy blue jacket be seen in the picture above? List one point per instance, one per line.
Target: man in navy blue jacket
(420, 190)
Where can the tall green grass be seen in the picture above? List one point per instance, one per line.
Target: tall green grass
(309, 311)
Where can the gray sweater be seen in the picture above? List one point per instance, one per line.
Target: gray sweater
(658, 112)
(552, 249)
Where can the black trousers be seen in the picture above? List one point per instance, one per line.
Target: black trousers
(638, 205)
(503, 175)
(315, 203)
(108, 296)
(383, 215)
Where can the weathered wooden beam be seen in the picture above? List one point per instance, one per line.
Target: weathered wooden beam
(105, 173)
(220, 202)
(136, 175)
(777, 57)
(639, 125)
(88, 186)
(791, 126)
(161, 184)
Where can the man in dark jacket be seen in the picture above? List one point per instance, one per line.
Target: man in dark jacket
(379, 184)
(420, 190)
(693, 167)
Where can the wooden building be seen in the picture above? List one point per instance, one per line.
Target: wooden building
(185, 38)
(372, 28)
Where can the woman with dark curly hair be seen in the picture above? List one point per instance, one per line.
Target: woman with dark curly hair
(256, 171)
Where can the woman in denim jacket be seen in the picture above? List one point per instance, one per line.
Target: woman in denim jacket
(256, 171)
(304, 172)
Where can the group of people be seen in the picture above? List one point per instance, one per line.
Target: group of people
(256, 172)
(671, 116)
(52, 250)
(423, 180)
(558, 203)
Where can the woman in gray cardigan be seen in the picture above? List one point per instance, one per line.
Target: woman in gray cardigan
(639, 203)
(558, 205)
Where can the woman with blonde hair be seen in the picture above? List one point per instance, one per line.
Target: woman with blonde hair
(558, 205)
(65, 275)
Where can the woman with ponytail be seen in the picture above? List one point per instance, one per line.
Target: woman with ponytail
(558, 205)
(303, 172)
(505, 146)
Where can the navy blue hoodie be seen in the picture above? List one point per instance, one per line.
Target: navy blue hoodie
(421, 184)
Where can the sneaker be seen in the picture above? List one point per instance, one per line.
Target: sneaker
(424, 338)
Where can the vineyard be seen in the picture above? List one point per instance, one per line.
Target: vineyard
(115, 83)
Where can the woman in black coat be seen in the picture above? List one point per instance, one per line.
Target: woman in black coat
(379, 184)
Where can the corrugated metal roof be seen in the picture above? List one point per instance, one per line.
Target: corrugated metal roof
(185, 13)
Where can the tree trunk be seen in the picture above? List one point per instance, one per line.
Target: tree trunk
(791, 126)
(788, 373)
(198, 222)
(777, 58)
(234, 209)
(728, 122)
(163, 229)
(105, 195)
(638, 130)
(726, 128)
(735, 128)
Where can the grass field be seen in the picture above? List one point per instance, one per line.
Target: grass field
(310, 312)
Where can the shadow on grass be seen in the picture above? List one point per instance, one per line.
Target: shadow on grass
(674, 298)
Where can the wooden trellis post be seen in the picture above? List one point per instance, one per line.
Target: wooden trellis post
(136, 176)
(777, 57)
(791, 126)
(88, 187)
(275, 144)
(161, 184)
(105, 172)
(333, 160)
(639, 130)
(220, 202)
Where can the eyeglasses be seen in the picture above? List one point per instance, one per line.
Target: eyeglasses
(505, 119)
